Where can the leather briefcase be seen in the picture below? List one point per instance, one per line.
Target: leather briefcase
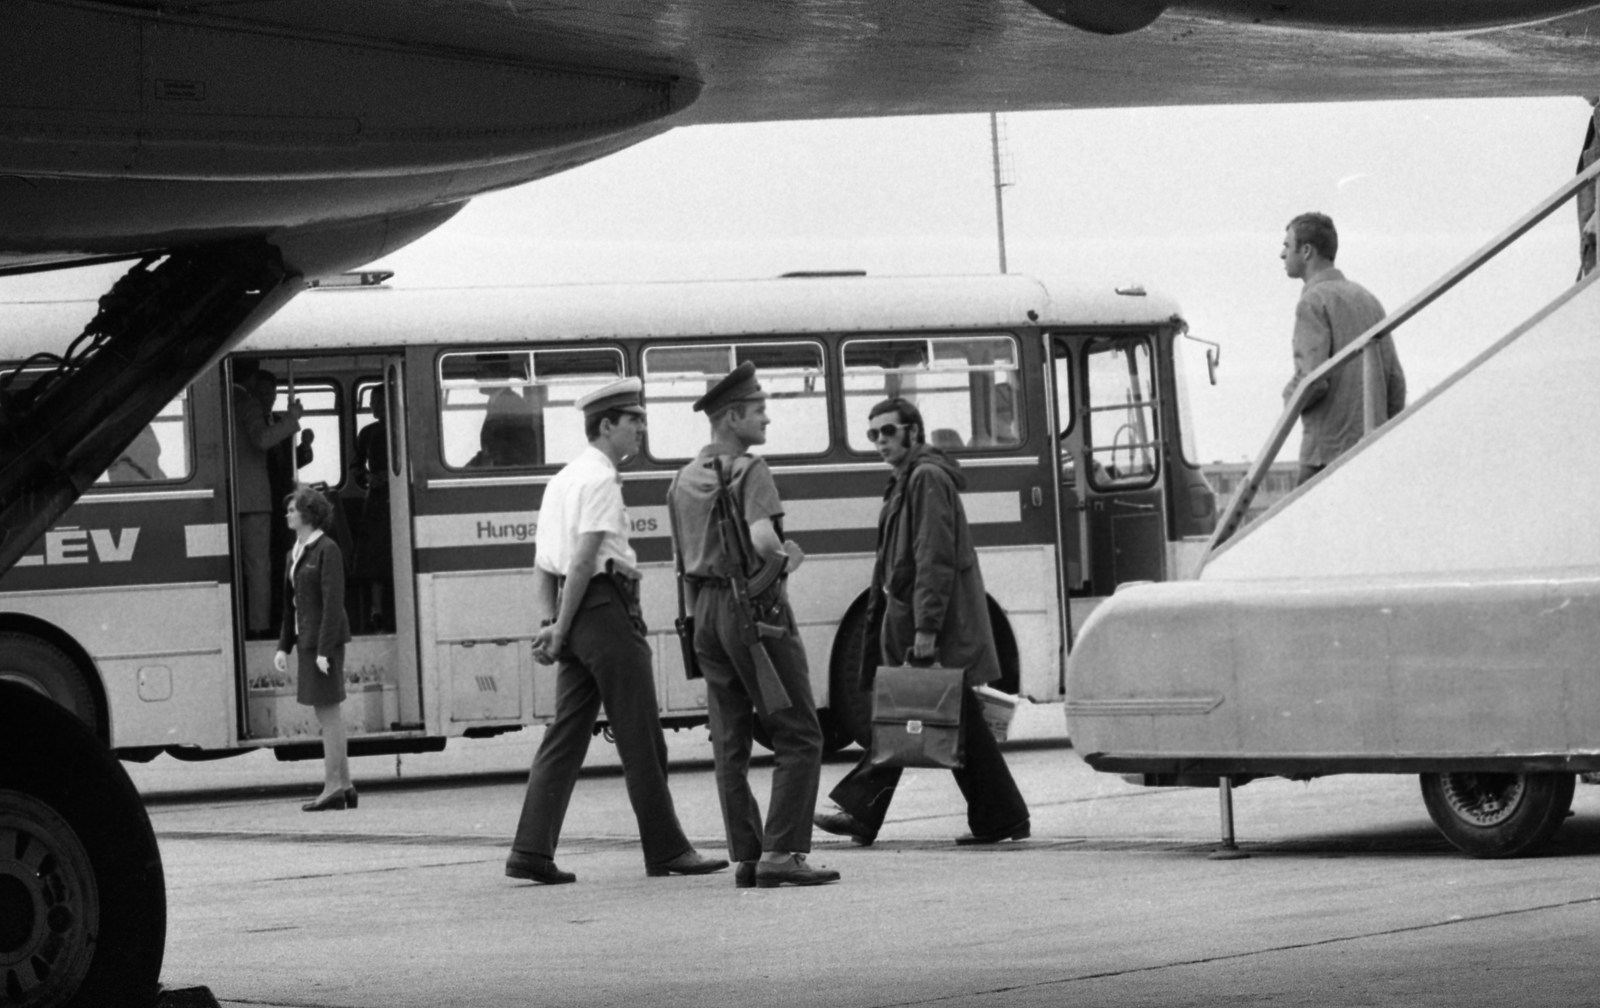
(916, 717)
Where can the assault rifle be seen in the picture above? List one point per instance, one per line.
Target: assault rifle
(747, 590)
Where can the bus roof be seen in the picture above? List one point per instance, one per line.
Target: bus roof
(354, 318)
(721, 308)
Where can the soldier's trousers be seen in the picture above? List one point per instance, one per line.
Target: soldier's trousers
(605, 660)
(734, 698)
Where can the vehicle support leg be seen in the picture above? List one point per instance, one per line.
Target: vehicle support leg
(1229, 851)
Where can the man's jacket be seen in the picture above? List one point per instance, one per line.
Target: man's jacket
(926, 576)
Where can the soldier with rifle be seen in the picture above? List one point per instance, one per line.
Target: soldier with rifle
(727, 531)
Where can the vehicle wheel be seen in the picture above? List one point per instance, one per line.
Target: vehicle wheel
(1497, 815)
(83, 906)
(849, 712)
(46, 669)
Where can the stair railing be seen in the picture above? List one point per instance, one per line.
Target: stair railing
(1365, 344)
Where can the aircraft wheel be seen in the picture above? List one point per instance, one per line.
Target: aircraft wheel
(1497, 815)
(83, 912)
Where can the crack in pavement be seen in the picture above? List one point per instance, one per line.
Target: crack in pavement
(1107, 974)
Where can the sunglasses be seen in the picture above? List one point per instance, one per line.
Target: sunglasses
(888, 430)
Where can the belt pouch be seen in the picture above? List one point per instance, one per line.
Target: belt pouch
(691, 664)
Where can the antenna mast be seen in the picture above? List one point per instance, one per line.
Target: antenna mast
(1002, 179)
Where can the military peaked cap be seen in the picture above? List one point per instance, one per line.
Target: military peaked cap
(625, 394)
(739, 386)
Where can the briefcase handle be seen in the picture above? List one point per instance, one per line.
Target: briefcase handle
(913, 662)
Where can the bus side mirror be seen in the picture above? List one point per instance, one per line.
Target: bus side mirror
(1213, 353)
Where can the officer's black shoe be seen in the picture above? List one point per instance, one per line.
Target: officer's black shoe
(690, 862)
(744, 876)
(794, 871)
(1020, 832)
(537, 868)
(845, 824)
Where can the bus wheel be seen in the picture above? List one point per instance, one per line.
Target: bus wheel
(848, 716)
(1497, 815)
(83, 906)
(44, 668)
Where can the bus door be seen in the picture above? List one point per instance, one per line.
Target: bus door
(1072, 529)
(1119, 462)
(270, 456)
(385, 557)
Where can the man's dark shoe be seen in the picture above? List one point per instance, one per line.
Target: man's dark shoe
(690, 862)
(536, 868)
(794, 871)
(744, 875)
(1022, 832)
(844, 824)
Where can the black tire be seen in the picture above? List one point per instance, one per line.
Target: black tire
(1497, 815)
(848, 716)
(44, 668)
(83, 905)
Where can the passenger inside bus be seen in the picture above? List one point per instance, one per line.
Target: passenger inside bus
(141, 460)
(256, 431)
(372, 566)
(513, 429)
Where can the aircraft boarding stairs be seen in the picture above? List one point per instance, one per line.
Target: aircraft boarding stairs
(1429, 603)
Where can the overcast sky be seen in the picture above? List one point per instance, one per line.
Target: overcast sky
(1190, 201)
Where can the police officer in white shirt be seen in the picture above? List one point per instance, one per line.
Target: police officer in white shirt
(586, 575)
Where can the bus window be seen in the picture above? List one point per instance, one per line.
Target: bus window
(791, 374)
(321, 422)
(966, 387)
(1121, 423)
(517, 408)
(160, 452)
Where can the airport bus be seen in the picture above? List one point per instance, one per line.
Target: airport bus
(1064, 402)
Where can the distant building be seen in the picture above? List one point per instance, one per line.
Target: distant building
(1226, 477)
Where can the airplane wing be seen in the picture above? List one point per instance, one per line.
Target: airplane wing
(137, 125)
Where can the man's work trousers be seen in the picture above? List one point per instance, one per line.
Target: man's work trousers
(255, 550)
(993, 801)
(734, 698)
(605, 660)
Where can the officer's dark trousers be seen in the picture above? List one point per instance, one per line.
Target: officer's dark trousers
(733, 695)
(993, 801)
(605, 660)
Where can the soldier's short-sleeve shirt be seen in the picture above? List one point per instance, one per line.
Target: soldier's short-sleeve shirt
(585, 496)
(694, 493)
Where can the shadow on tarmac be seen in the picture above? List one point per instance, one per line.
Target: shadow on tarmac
(495, 778)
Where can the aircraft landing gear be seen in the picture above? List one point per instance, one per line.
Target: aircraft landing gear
(83, 907)
(158, 328)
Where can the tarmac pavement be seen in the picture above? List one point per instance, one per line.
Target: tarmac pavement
(1350, 898)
